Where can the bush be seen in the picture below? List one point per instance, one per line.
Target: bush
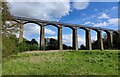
(8, 45)
(33, 47)
(28, 45)
(23, 47)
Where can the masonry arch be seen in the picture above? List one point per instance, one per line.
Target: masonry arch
(51, 36)
(27, 22)
(51, 24)
(31, 31)
(107, 39)
(81, 38)
(94, 40)
(67, 39)
(99, 42)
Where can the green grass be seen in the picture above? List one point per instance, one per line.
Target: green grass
(63, 63)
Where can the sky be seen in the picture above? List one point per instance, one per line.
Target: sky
(95, 14)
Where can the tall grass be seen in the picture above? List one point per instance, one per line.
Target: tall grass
(63, 63)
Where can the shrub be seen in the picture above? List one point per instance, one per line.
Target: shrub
(23, 47)
(33, 47)
(28, 45)
(8, 45)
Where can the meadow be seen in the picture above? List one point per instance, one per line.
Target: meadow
(82, 62)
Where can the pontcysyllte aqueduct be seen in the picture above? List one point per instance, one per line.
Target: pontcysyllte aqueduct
(74, 27)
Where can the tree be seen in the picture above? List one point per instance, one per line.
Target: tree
(116, 40)
(9, 27)
(82, 47)
(33, 45)
(51, 43)
(8, 30)
(65, 46)
(33, 41)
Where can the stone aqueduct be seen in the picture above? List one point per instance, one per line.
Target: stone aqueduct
(74, 27)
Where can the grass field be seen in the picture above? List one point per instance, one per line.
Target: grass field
(63, 63)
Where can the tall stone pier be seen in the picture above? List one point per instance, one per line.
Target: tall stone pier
(21, 32)
(88, 39)
(100, 40)
(42, 39)
(75, 39)
(109, 39)
(60, 46)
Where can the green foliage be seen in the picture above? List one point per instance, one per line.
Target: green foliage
(33, 47)
(8, 45)
(28, 45)
(5, 12)
(51, 44)
(9, 40)
(8, 26)
(43, 48)
(116, 41)
(82, 47)
(23, 47)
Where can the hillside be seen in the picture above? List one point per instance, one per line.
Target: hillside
(63, 63)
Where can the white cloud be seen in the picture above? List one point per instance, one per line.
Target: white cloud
(48, 11)
(84, 14)
(81, 40)
(95, 9)
(113, 21)
(104, 16)
(86, 23)
(110, 22)
(49, 31)
(31, 29)
(55, 37)
(41, 10)
(67, 39)
(93, 38)
(114, 8)
(80, 5)
(101, 24)
(35, 29)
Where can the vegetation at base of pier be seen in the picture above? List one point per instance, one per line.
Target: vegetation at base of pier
(81, 62)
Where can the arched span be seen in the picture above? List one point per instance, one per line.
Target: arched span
(51, 25)
(15, 20)
(116, 32)
(32, 22)
(107, 31)
(84, 28)
(97, 30)
(69, 26)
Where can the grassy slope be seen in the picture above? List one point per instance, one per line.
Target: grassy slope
(68, 63)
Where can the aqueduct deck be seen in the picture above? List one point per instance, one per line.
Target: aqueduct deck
(74, 27)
